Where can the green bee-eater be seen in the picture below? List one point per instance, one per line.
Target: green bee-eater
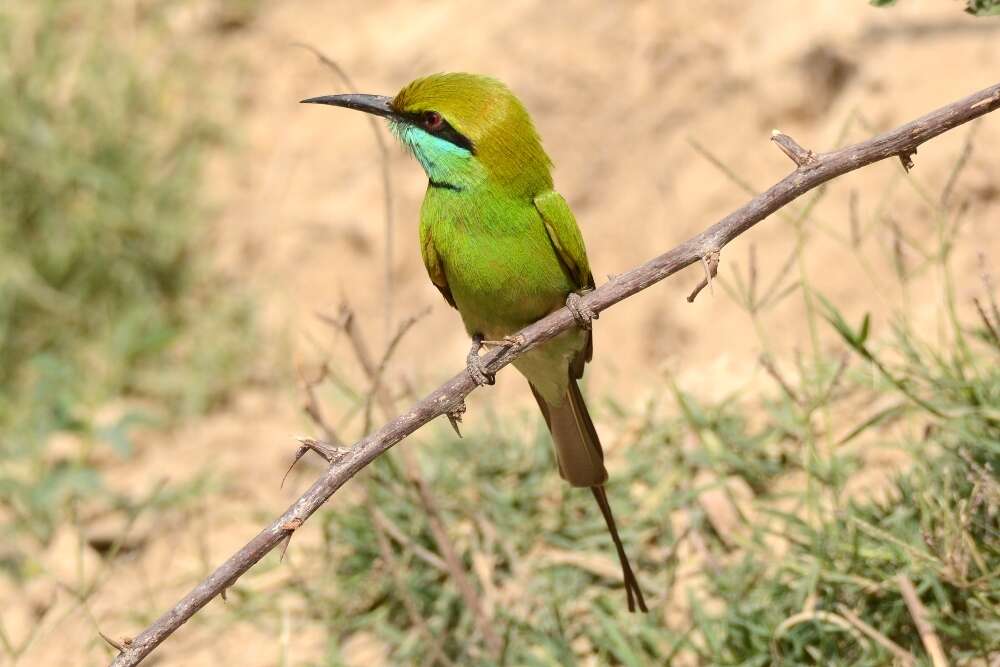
(503, 248)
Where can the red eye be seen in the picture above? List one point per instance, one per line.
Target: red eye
(433, 120)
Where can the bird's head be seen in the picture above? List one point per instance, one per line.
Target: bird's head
(466, 130)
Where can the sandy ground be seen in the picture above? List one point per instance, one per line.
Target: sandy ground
(619, 93)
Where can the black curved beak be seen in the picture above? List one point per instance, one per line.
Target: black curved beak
(378, 105)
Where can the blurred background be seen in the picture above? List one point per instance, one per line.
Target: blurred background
(190, 261)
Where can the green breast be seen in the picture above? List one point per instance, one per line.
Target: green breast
(501, 267)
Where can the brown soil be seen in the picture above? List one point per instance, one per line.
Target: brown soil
(618, 94)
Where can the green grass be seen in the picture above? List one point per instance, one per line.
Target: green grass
(809, 558)
(806, 554)
(974, 7)
(107, 301)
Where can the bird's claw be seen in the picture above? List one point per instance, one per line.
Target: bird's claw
(475, 366)
(582, 313)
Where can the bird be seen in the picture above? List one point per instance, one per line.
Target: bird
(503, 247)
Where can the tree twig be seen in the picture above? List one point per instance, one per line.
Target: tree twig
(919, 614)
(901, 141)
(990, 329)
(405, 540)
(904, 657)
(457, 572)
(311, 406)
(396, 572)
(772, 370)
(347, 322)
(375, 377)
(963, 160)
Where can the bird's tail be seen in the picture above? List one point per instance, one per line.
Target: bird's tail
(581, 463)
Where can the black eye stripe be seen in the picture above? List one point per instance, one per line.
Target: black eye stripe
(448, 133)
(445, 131)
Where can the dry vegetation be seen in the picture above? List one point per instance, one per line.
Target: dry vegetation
(773, 506)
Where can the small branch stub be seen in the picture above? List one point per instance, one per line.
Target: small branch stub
(906, 157)
(293, 525)
(802, 157)
(710, 262)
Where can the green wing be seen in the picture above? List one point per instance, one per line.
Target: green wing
(565, 236)
(433, 264)
(568, 242)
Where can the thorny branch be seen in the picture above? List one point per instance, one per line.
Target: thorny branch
(901, 142)
(311, 406)
(376, 376)
(347, 322)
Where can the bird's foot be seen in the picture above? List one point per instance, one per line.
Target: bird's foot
(475, 366)
(582, 313)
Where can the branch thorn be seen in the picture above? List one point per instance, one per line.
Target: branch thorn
(226, 586)
(710, 263)
(330, 454)
(120, 646)
(455, 416)
(284, 547)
